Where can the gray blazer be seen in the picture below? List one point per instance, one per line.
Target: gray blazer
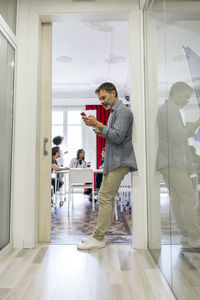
(118, 133)
(173, 147)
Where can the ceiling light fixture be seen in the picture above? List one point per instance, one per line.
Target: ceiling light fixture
(64, 59)
(99, 26)
(116, 59)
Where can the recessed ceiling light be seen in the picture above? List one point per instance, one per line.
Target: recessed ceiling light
(116, 59)
(64, 59)
(99, 26)
(99, 80)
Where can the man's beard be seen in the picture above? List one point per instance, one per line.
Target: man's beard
(109, 104)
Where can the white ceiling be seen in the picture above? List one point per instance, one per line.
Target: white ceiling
(87, 51)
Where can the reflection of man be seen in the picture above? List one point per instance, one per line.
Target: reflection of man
(175, 161)
(118, 161)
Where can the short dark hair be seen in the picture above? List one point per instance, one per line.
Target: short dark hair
(103, 149)
(108, 87)
(57, 140)
(178, 87)
(54, 150)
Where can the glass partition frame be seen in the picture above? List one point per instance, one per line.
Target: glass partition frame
(6, 34)
(172, 89)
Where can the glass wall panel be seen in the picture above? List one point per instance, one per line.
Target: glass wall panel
(8, 10)
(7, 56)
(159, 211)
(172, 63)
(183, 78)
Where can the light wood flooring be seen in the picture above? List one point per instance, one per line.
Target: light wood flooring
(61, 272)
(181, 268)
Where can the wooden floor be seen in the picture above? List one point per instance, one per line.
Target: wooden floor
(61, 272)
(181, 268)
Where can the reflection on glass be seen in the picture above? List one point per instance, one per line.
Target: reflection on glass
(173, 91)
(176, 161)
(8, 10)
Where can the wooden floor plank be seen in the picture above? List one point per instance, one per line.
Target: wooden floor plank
(62, 272)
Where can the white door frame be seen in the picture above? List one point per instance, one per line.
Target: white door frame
(31, 14)
(11, 38)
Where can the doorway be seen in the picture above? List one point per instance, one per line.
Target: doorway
(95, 51)
(104, 56)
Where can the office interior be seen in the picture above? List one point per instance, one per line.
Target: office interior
(163, 49)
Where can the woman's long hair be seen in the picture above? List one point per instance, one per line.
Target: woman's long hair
(78, 156)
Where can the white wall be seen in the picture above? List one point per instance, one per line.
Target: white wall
(26, 122)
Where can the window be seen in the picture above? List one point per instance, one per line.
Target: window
(57, 123)
(68, 123)
(74, 137)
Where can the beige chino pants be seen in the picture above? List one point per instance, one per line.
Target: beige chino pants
(107, 193)
(182, 196)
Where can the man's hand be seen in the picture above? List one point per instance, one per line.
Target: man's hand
(90, 120)
(97, 131)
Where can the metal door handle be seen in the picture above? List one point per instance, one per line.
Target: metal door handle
(45, 140)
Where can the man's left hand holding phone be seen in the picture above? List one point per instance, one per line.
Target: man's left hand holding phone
(91, 121)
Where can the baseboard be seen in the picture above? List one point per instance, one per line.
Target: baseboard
(18, 244)
(5, 251)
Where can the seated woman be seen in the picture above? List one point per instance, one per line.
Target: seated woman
(79, 160)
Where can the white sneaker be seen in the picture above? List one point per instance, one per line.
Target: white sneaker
(90, 244)
(85, 239)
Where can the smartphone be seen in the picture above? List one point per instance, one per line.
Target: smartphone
(83, 114)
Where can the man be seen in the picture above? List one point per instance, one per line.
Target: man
(175, 162)
(56, 153)
(118, 161)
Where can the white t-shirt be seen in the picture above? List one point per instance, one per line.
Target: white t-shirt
(74, 163)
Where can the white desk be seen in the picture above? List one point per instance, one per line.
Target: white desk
(64, 172)
(98, 171)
